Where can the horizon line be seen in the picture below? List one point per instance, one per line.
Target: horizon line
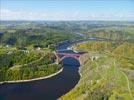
(70, 20)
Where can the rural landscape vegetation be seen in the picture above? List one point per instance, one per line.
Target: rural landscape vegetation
(27, 51)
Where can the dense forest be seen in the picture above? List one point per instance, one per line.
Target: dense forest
(24, 34)
(28, 64)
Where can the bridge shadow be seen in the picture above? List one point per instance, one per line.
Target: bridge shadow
(47, 89)
(70, 61)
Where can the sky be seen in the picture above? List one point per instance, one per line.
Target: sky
(67, 10)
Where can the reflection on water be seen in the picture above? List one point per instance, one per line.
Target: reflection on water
(48, 89)
(69, 61)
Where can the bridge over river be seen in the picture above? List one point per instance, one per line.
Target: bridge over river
(50, 88)
(61, 55)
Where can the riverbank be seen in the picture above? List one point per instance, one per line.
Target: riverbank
(50, 87)
(97, 75)
(34, 79)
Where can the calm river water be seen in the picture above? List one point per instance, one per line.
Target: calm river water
(47, 89)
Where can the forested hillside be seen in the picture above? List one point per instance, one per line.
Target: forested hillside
(23, 34)
(26, 64)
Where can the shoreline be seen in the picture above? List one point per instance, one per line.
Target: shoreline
(34, 79)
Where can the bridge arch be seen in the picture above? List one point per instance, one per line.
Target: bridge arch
(61, 56)
(70, 56)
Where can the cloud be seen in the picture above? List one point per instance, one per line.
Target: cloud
(76, 14)
(114, 16)
(131, 15)
(7, 14)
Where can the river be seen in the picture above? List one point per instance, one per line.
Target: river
(45, 89)
(50, 88)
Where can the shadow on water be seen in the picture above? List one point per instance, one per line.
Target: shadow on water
(47, 89)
